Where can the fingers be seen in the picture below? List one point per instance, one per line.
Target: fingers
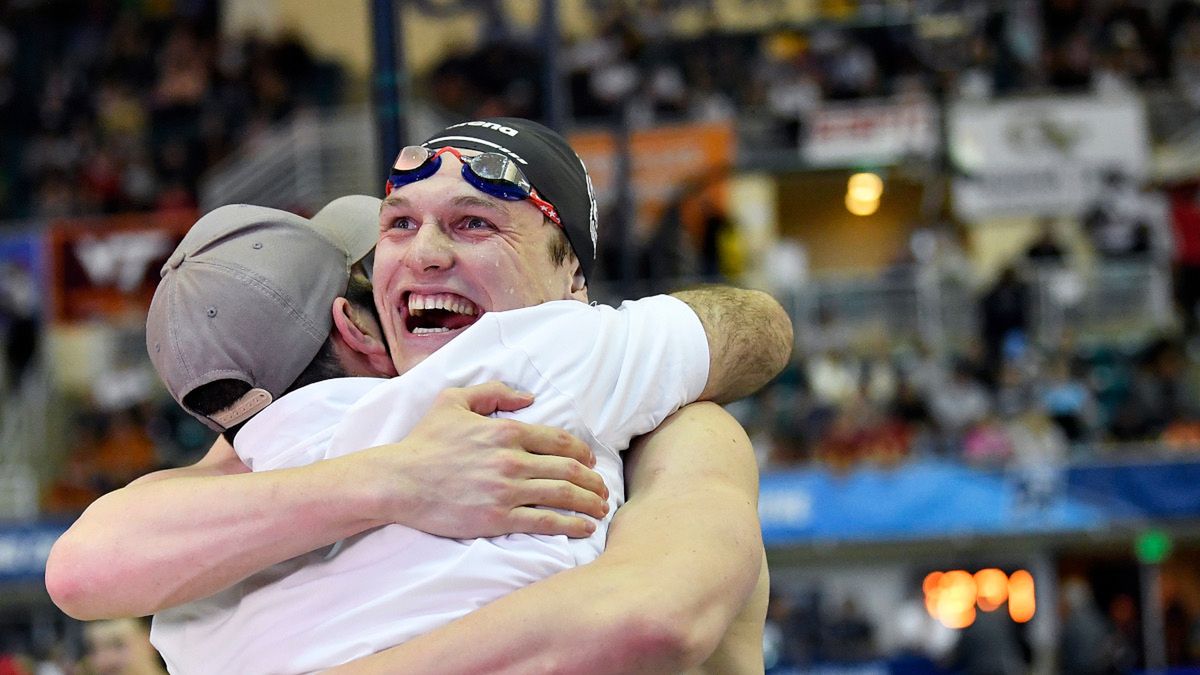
(530, 520)
(543, 440)
(489, 397)
(563, 495)
(564, 471)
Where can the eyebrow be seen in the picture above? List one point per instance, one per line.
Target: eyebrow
(392, 200)
(467, 201)
(462, 201)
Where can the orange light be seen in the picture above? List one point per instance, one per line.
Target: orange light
(864, 187)
(956, 599)
(992, 589)
(958, 618)
(861, 208)
(863, 192)
(930, 586)
(952, 597)
(1021, 601)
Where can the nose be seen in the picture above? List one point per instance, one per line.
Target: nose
(430, 249)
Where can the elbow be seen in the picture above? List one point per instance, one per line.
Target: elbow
(781, 337)
(654, 641)
(67, 583)
(75, 582)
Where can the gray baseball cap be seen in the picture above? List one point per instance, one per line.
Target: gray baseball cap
(247, 295)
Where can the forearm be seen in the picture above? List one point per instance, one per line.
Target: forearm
(741, 650)
(683, 555)
(184, 534)
(160, 543)
(749, 337)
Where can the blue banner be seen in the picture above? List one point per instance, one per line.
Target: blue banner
(936, 499)
(1163, 490)
(24, 549)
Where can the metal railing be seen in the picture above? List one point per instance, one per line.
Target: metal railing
(299, 166)
(23, 438)
(1117, 302)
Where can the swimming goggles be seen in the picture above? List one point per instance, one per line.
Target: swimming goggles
(489, 172)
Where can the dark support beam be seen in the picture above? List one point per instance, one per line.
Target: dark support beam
(389, 90)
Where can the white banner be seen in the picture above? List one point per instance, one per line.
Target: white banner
(871, 132)
(1042, 156)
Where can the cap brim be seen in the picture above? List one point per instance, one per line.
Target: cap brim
(352, 222)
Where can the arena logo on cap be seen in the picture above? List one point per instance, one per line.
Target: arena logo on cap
(508, 131)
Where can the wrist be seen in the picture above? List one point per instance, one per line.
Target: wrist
(354, 495)
(371, 483)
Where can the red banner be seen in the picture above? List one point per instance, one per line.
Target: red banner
(108, 267)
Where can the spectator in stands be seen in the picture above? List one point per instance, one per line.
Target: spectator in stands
(99, 104)
(1185, 219)
(120, 647)
(1126, 35)
(1005, 310)
(1045, 248)
(1125, 221)
(991, 645)
(19, 322)
(1184, 58)
(1084, 647)
(958, 404)
(987, 445)
(848, 636)
(1158, 393)
(1039, 455)
(1068, 400)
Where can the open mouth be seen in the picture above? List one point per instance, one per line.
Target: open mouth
(434, 313)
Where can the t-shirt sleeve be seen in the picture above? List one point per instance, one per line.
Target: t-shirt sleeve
(626, 368)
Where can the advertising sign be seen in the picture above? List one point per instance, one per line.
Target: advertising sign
(871, 132)
(107, 267)
(1042, 156)
(664, 160)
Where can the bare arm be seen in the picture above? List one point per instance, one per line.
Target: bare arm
(749, 339)
(683, 556)
(741, 650)
(182, 534)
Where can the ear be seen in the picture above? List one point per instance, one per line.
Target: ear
(578, 283)
(362, 335)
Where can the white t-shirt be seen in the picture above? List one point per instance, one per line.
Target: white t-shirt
(603, 374)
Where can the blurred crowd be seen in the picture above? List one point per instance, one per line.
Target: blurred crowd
(1011, 392)
(770, 83)
(110, 647)
(117, 107)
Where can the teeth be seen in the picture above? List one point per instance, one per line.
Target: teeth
(426, 331)
(449, 302)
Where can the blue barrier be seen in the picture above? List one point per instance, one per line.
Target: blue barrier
(940, 498)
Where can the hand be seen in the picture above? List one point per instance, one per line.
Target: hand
(461, 474)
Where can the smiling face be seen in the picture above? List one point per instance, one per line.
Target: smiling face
(448, 252)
